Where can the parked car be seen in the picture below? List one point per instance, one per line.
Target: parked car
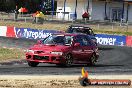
(63, 50)
(82, 29)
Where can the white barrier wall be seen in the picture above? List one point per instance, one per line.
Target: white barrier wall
(116, 5)
(70, 7)
(98, 10)
(130, 13)
(60, 8)
(3, 30)
(81, 8)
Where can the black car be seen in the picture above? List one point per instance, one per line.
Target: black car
(82, 29)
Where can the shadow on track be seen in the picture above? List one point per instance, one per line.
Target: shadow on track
(105, 48)
(74, 66)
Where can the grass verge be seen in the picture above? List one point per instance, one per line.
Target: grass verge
(11, 54)
(34, 26)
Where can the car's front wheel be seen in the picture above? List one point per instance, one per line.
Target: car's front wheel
(32, 64)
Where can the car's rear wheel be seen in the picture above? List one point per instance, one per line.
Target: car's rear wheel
(69, 60)
(32, 64)
(93, 60)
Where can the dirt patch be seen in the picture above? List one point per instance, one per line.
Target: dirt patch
(54, 81)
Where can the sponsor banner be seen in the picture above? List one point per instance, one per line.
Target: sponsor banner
(105, 39)
(33, 33)
(10, 32)
(129, 40)
(3, 30)
(85, 81)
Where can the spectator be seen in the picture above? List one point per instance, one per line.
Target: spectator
(34, 16)
(40, 18)
(16, 13)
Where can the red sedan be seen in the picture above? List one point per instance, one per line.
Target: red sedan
(63, 50)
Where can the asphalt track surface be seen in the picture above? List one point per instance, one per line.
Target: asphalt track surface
(112, 60)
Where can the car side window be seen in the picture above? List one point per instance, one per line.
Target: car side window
(76, 30)
(85, 41)
(78, 40)
(68, 40)
(82, 40)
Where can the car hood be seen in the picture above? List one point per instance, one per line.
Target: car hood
(49, 48)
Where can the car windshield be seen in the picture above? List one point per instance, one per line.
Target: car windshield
(88, 31)
(59, 40)
(84, 30)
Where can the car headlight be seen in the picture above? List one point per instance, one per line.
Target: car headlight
(30, 51)
(56, 53)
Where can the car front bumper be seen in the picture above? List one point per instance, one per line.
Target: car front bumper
(45, 58)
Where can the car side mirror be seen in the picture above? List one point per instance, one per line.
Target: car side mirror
(77, 44)
(39, 41)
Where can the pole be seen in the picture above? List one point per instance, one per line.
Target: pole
(64, 9)
(127, 12)
(76, 10)
(52, 8)
(122, 9)
(105, 10)
(88, 6)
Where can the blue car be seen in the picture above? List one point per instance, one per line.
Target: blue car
(82, 29)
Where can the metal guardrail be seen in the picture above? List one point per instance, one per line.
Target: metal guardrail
(25, 17)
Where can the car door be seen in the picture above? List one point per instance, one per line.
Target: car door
(87, 49)
(83, 52)
(77, 50)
